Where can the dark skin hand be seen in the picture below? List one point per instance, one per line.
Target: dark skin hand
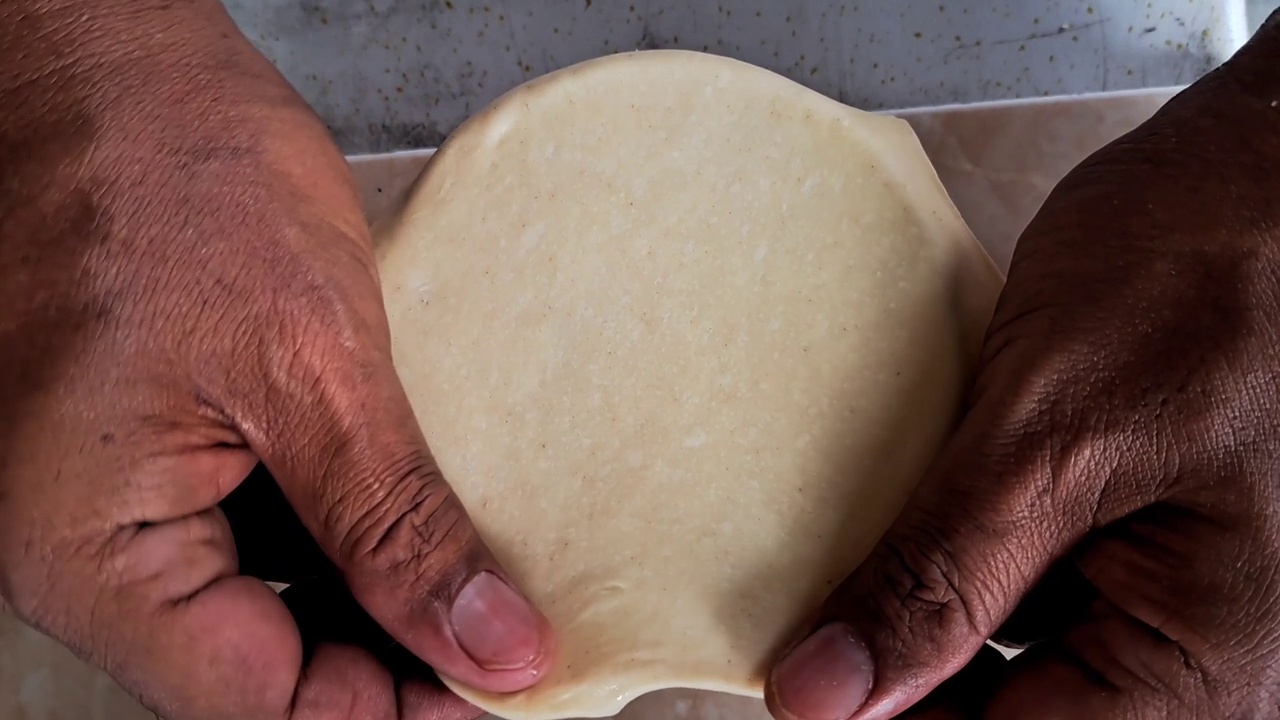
(190, 291)
(1111, 498)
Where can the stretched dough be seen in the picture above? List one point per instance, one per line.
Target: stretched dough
(683, 335)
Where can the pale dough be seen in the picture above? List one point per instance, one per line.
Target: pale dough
(683, 335)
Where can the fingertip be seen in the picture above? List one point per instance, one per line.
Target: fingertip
(828, 676)
(486, 635)
(483, 635)
(505, 643)
(496, 626)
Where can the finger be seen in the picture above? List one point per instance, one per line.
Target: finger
(1003, 503)
(334, 427)
(1109, 666)
(336, 631)
(162, 609)
(353, 684)
(356, 686)
(425, 701)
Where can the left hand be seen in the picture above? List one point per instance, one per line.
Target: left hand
(188, 289)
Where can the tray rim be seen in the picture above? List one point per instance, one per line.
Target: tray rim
(913, 112)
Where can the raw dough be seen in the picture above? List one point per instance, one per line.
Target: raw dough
(683, 335)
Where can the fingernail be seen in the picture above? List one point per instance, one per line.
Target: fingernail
(826, 677)
(495, 626)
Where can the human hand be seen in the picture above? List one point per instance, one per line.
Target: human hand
(1111, 495)
(188, 289)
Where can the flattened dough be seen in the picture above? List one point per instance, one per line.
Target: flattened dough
(683, 335)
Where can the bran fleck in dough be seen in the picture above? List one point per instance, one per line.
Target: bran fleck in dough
(683, 335)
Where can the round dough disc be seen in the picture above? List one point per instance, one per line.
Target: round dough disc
(683, 335)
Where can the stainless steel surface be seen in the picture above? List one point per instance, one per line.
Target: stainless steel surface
(394, 74)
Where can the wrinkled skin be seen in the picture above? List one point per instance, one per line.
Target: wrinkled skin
(1111, 498)
(188, 290)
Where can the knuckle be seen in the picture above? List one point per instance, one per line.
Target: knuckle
(926, 597)
(410, 525)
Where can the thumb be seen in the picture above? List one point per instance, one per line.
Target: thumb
(337, 432)
(995, 512)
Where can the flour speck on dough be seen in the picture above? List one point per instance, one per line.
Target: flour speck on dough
(696, 440)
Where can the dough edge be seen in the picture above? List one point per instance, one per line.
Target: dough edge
(894, 135)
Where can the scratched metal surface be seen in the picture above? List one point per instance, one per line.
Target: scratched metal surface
(394, 74)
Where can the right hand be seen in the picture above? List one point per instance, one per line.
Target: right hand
(1111, 497)
(187, 288)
